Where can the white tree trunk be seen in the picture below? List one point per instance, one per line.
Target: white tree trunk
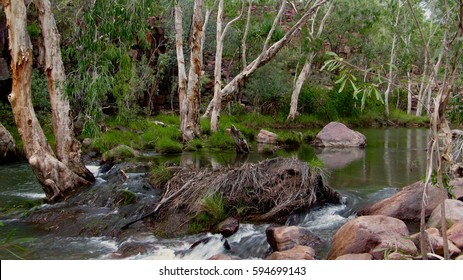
(220, 38)
(67, 147)
(391, 62)
(191, 127)
(409, 94)
(182, 78)
(57, 180)
(231, 88)
(305, 72)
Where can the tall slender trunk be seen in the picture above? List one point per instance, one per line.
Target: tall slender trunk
(182, 78)
(190, 127)
(67, 147)
(220, 37)
(409, 94)
(303, 75)
(305, 72)
(391, 61)
(58, 181)
(231, 88)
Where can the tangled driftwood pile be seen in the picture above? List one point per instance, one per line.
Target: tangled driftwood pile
(268, 191)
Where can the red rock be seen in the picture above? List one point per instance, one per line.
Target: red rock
(374, 235)
(336, 134)
(295, 253)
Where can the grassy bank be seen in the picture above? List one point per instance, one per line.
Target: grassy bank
(161, 133)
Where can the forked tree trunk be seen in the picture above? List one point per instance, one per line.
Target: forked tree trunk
(57, 180)
(229, 91)
(67, 147)
(306, 69)
(191, 127)
(220, 37)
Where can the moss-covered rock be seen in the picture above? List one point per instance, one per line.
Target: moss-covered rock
(119, 154)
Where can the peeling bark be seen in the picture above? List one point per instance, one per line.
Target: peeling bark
(191, 127)
(57, 180)
(67, 147)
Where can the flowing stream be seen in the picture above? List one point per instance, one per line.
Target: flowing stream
(393, 158)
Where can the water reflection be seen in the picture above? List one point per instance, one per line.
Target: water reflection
(335, 158)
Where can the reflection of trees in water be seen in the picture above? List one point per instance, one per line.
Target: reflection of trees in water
(394, 157)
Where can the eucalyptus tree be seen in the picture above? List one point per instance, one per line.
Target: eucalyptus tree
(220, 37)
(305, 72)
(189, 87)
(60, 174)
(439, 146)
(268, 52)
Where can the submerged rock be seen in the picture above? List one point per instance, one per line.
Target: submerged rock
(375, 235)
(336, 134)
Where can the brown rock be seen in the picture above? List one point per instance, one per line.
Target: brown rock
(295, 253)
(336, 134)
(7, 144)
(372, 234)
(453, 214)
(286, 237)
(356, 257)
(406, 204)
(436, 241)
(222, 257)
(266, 137)
(455, 234)
(228, 227)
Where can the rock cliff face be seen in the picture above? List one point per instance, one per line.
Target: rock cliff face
(336, 134)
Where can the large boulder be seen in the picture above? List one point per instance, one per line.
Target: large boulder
(295, 253)
(266, 137)
(286, 237)
(453, 214)
(336, 134)
(455, 234)
(406, 204)
(7, 145)
(375, 235)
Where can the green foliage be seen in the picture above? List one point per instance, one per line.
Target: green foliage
(127, 197)
(10, 247)
(108, 140)
(6, 115)
(34, 30)
(39, 91)
(111, 59)
(119, 153)
(214, 206)
(269, 88)
(168, 146)
(194, 145)
(220, 140)
(160, 175)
